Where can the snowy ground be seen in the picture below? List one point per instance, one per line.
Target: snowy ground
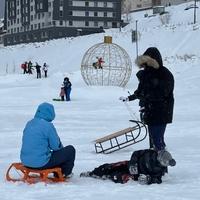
(96, 111)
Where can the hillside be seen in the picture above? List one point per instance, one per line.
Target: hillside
(96, 111)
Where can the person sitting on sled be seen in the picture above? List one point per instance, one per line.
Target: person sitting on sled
(41, 145)
(145, 166)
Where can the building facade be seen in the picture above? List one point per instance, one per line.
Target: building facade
(134, 5)
(169, 2)
(39, 20)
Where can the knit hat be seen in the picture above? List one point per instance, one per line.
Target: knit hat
(165, 158)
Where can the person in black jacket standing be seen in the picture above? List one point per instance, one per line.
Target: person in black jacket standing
(68, 88)
(155, 94)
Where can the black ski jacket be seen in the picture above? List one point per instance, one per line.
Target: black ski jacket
(155, 88)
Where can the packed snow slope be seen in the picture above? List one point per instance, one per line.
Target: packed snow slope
(96, 111)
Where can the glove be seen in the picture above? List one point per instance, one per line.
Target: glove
(133, 169)
(144, 179)
(124, 99)
(142, 109)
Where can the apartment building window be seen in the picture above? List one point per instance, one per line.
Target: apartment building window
(41, 6)
(31, 17)
(18, 11)
(139, 5)
(70, 23)
(95, 23)
(86, 4)
(61, 23)
(61, 13)
(70, 13)
(95, 3)
(31, 8)
(49, 14)
(86, 23)
(105, 14)
(70, 3)
(114, 14)
(105, 4)
(96, 14)
(105, 24)
(61, 2)
(18, 3)
(17, 20)
(87, 14)
(49, 4)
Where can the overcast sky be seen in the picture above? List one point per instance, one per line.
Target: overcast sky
(1, 7)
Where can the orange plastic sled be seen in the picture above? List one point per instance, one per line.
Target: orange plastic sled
(30, 176)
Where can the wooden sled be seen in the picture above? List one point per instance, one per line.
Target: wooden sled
(121, 139)
(30, 175)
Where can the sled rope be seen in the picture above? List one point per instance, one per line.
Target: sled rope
(132, 114)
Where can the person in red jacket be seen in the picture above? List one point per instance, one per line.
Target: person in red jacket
(100, 62)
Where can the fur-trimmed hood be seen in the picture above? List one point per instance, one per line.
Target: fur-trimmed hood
(150, 58)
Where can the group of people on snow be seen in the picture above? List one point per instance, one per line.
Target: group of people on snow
(147, 166)
(28, 68)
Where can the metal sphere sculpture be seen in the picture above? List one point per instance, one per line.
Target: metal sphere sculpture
(106, 64)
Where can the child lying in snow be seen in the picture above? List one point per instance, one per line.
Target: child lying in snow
(145, 166)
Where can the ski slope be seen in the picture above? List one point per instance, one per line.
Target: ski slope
(96, 111)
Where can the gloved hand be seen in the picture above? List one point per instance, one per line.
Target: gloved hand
(124, 99)
(133, 169)
(144, 179)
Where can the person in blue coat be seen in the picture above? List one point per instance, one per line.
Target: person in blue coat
(41, 145)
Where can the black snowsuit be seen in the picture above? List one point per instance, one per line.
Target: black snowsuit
(147, 164)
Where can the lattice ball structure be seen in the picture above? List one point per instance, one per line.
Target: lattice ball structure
(115, 67)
